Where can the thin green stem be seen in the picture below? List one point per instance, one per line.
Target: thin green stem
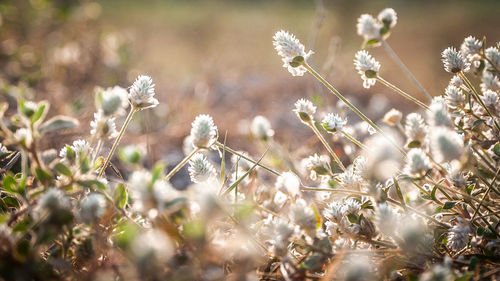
(404, 68)
(181, 164)
(225, 147)
(355, 141)
(327, 146)
(350, 105)
(133, 110)
(401, 92)
(478, 98)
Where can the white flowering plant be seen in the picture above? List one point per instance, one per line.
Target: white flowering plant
(408, 197)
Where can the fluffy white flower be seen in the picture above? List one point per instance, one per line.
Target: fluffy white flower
(367, 67)
(334, 211)
(333, 122)
(203, 131)
(388, 16)
(305, 110)
(92, 207)
(141, 93)
(446, 145)
(454, 96)
(458, 237)
(23, 136)
(200, 169)
(417, 162)
(103, 126)
(54, 199)
(318, 165)
(393, 117)
(261, 128)
(438, 114)
(471, 46)
(454, 61)
(456, 81)
(493, 54)
(350, 179)
(153, 245)
(289, 183)
(288, 48)
(113, 101)
(368, 27)
(415, 128)
(3, 149)
(490, 82)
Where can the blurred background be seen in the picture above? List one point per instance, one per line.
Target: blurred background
(217, 57)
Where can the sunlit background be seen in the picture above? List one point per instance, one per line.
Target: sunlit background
(217, 57)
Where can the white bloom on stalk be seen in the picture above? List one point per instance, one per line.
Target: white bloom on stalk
(318, 165)
(288, 183)
(438, 114)
(490, 82)
(490, 99)
(288, 48)
(454, 96)
(446, 145)
(200, 169)
(305, 110)
(334, 211)
(415, 128)
(368, 27)
(92, 207)
(261, 128)
(417, 162)
(456, 81)
(454, 61)
(389, 17)
(471, 46)
(113, 101)
(203, 131)
(141, 93)
(493, 55)
(54, 199)
(393, 117)
(153, 244)
(23, 136)
(333, 123)
(367, 67)
(103, 126)
(458, 237)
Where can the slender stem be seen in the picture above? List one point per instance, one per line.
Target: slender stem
(478, 98)
(181, 164)
(327, 146)
(225, 147)
(97, 149)
(355, 141)
(404, 68)
(133, 110)
(350, 105)
(401, 92)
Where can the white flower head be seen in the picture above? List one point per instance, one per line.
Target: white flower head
(318, 165)
(415, 128)
(112, 101)
(454, 61)
(454, 97)
(393, 117)
(203, 131)
(490, 82)
(333, 122)
(389, 17)
(456, 81)
(491, 100)
(23, 136)
(289, 48)
(438, 114)
(141, 93)
(417, 162)
(446, 145)
(368, 27)
(3, 149)
(493, 55)
(103, 126)
(261, 128)
(153, 244)
(54, 199)
(334, 211)
(367, 67)
(305, 110)
(200, 169)
(92, 207)
(458, 237)
(288, 183)
(471, 46)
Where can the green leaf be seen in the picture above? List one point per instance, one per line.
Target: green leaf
(352, 218)
(414, 144)
(41, 111)
(465, 277)
(63, 170)
(9, 184)
(370, 73)
(42, 175)
(449, 205)
(317, 216)
(496, 149)
(120, 196)
(157, 172)
(58, 123)
(371, 42)
(92, 183)
(469, 188)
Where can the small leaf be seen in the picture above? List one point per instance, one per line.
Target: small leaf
(371, 42)
(92, 184)
(42, 175)
(414, 144)
(370, 73)
(317, 216)
(41, 112)
(157, 172)
(63, 170)
(449, 205)
(9, 184)
(496, 149)
(58, 123)
(120, 196)
(352, 218)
